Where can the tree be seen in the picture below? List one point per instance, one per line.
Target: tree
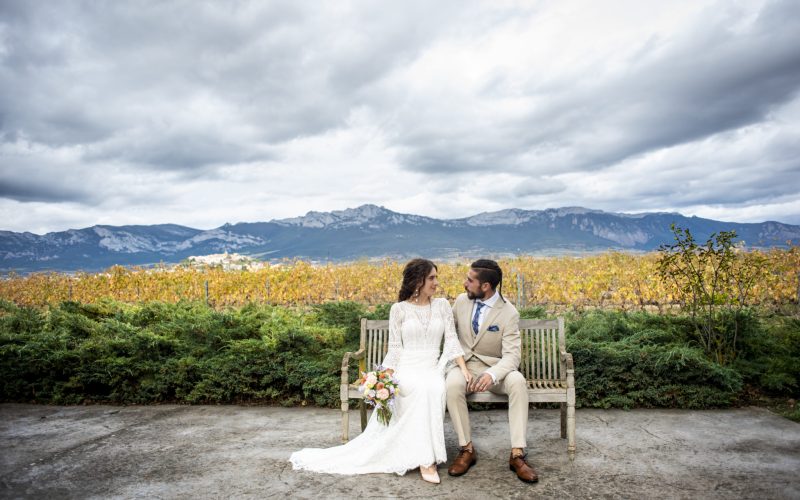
(713, 283)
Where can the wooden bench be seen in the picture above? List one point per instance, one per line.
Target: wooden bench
(546, 365)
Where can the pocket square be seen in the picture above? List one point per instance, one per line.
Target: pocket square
(493, 328)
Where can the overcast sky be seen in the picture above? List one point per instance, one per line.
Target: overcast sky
(137, 112)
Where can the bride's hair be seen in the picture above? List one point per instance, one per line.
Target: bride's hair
(414, 275)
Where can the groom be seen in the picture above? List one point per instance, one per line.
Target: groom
(488, 329)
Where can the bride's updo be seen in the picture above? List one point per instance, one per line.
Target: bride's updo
(414, 275)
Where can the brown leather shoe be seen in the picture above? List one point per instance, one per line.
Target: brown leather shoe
(524, 471)
(463, 462)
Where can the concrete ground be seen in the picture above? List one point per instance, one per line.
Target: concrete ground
(175, 451)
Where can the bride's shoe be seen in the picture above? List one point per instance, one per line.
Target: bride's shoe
(430, 474)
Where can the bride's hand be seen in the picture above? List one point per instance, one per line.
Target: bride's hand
(467, 375)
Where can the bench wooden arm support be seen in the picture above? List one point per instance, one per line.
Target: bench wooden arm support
(568, 409)
(345, 386)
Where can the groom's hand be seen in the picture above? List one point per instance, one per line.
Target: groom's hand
(481, 383)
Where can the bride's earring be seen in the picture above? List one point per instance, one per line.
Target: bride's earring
(416, 295)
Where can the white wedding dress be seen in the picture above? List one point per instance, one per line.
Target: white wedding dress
(415, 434)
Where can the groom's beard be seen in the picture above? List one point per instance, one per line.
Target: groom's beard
(473, 296)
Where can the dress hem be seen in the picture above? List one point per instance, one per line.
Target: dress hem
(400, 471)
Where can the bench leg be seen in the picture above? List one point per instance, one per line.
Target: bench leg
(571, 423)
(563, 420)
(363, 416)
(345, 421)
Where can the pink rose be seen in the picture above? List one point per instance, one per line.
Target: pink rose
(383, 394)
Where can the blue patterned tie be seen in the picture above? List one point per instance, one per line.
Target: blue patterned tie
(478, 306)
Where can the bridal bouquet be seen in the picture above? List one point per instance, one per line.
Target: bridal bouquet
(379, 389)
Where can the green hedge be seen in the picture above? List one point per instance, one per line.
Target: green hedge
(188, 352)
(156, 352)
(638, 361)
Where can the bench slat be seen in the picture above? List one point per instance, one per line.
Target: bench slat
(553, 354)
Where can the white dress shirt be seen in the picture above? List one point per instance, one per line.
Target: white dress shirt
(488, 304)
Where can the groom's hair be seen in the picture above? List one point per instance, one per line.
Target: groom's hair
(489, 271)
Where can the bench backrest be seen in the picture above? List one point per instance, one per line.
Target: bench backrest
(374, 341)
(542, 344)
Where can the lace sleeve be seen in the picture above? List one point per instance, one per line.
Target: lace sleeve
(452, 346)
(395, 339)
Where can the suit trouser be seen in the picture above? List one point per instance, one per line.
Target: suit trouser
(513, 385)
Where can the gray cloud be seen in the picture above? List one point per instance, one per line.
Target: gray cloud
(93, 73)
(535, 187)
(708, 82)
(144, 106)
(19, 189)
(712, 84)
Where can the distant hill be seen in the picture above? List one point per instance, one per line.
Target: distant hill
(371, 231)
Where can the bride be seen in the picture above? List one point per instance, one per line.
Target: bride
(414, 436)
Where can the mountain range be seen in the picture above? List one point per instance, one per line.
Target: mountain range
(371, 231)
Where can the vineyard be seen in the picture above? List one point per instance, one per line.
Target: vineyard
(611, 280)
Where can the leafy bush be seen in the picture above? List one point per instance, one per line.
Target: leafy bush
(162, 352)
(641, 360)
(188, 352)
(343, 314)
(770, 357)
(536, 312)
(713, 284)
(348, 315)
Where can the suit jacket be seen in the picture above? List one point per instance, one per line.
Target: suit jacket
(500, 349)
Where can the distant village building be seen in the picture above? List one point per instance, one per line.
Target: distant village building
(228, 261)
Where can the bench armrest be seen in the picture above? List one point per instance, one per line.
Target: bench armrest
(346, 363)
(567, 358)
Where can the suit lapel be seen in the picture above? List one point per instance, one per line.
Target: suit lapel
(465, 322)
(489, 319)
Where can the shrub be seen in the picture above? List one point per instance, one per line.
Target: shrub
(188, 352)
(713, 284)
(343, 314)
(636, 360)
(161, 352)
(536, 312)
(770, 354)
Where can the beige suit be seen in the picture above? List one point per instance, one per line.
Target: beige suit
(495, 349)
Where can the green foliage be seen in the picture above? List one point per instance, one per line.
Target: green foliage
(381, 312)
(770, 355)
(162, 352)
(343, 314)
(347, 315)
(713, 285)
(536, 312)
(641, 360)
(188, 352)
(792, 413)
